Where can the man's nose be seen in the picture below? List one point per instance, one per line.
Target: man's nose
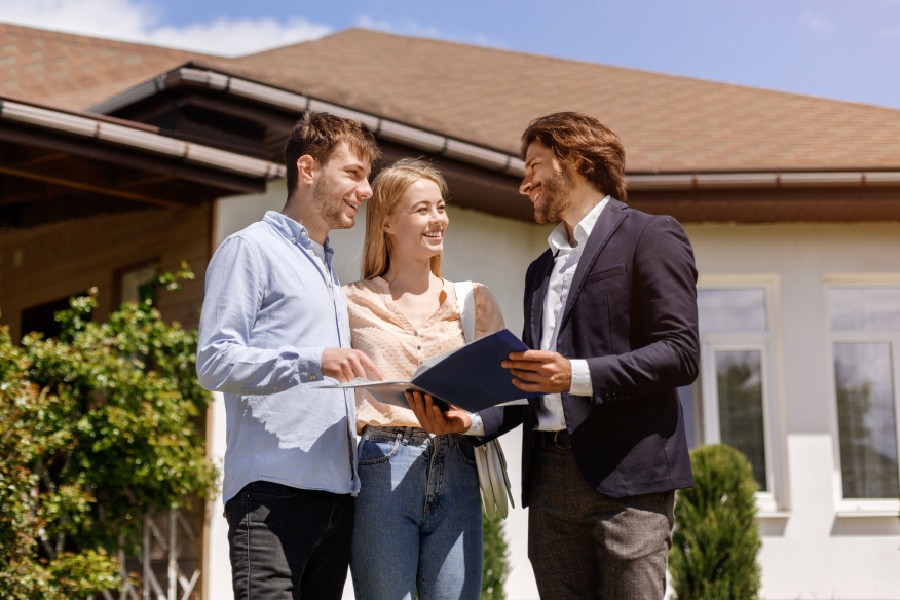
(525, 187)
(365, 189)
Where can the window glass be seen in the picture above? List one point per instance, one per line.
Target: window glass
(865, 309)
(732, 310)
(740, 395)
(867, 426)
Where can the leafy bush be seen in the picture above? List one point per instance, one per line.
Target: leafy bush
(496, 562)
(716, 538)
(97, 428)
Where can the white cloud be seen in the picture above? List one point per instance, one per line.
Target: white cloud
(818, 25)
(233, 38)
(134, 21)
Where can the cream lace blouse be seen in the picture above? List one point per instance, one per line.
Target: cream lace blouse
(378, 328)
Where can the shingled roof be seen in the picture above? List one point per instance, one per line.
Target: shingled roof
(74, 72)
(669, 124)
(487, 96)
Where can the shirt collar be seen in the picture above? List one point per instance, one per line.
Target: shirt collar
(292, 230)
(559, 239)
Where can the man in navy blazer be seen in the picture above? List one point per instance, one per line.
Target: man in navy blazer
(611, 317)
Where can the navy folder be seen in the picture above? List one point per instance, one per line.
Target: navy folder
(469, 377)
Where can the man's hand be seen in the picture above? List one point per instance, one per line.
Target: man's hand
(345, 364)
(433, 419)
(540, 371)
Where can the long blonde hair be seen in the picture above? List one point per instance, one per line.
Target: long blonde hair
(388, 188)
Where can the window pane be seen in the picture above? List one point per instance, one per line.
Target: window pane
(866, 421)
(732, 311)
(739, 381)
(865, 310)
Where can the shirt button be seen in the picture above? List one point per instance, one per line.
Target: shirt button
(312, 377)
(416, 333)
(303, 233)
(293, 238)
(418, 347)
(276, 388)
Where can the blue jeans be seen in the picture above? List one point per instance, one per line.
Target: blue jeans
(418, 517)
(286, 543)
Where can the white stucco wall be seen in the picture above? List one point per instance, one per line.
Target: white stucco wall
(814, 546)
(811, 547)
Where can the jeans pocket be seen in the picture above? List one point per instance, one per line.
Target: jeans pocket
(466, 449)
(376, 449)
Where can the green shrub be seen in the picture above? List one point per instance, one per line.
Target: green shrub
(496, 560)
(716, 538)
(97, 428)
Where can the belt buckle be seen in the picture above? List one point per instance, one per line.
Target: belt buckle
(556, 440)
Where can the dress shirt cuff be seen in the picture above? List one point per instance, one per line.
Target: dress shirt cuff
(477, 427)
(581, 379)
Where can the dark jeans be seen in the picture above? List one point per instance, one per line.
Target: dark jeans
(287, 543)
(585, 545)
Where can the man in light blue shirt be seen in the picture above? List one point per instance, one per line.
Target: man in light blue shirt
(274, 320)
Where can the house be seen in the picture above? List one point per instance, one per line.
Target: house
(792, 205)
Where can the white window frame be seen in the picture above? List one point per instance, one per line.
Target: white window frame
(853, 507)
(768, 344)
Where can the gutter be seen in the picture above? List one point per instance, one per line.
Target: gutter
(794, 179)
(386, 129)
(474, 154)
(138, 137)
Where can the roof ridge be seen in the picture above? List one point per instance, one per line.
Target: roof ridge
(90, 40)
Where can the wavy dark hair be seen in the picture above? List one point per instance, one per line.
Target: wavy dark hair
(590, 146)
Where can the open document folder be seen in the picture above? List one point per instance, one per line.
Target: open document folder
(469, 377)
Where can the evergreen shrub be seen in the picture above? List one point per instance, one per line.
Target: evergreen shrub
(716, 537)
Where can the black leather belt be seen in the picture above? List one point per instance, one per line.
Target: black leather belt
(559, 439)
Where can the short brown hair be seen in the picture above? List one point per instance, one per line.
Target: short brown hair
(387, 190)
(319, 134)
(594, 150)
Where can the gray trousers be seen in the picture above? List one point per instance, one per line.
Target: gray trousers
(585, 545)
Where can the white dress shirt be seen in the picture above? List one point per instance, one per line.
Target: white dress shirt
(550, 415)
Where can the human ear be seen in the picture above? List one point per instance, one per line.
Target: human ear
(305, 166)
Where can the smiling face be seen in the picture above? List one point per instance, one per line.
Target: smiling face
(416, 226)
(341, 186)
(546, 183)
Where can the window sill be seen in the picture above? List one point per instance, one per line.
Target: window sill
(769, 514)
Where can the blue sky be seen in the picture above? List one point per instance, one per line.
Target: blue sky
(840, 49)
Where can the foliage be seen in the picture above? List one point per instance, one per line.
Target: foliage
(496, 561)
(716, 538)
(97, 428)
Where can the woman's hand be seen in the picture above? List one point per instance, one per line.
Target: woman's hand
(433, 419)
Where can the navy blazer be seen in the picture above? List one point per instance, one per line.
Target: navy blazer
(632, 314)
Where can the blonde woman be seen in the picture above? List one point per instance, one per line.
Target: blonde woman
(418, 515)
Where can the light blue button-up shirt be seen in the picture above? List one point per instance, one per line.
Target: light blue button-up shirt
(270, 309)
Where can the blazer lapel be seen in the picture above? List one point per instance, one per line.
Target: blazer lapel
(612, 216)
